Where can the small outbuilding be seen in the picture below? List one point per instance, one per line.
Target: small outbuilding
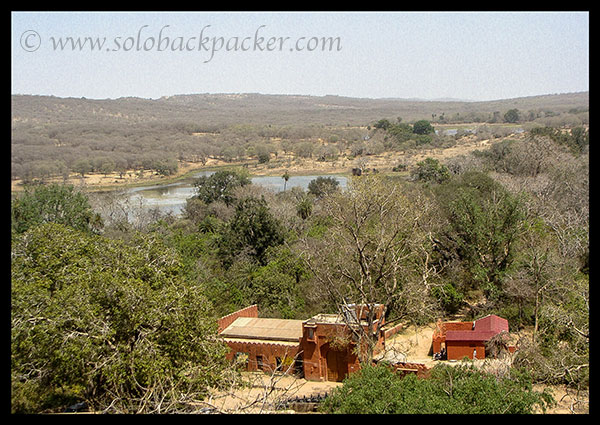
(456, 340)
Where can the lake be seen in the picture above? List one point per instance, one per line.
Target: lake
(172, 197)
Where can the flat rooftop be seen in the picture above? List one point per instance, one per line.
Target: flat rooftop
(256, 328)
(325, 318)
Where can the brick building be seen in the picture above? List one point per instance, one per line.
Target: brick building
(466, 339)
(320, 348)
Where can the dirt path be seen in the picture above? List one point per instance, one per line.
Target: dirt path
(261, 392)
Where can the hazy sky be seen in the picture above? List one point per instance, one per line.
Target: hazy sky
(476, 56)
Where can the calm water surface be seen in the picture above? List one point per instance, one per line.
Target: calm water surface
(172, 197)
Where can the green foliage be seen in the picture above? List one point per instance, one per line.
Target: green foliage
(106, 322)
(323, 186)
(53, 203)
(100, 320)
(450, 390)
(384, 124)
(251, 231)
(220, 185)
(275, 286)
(263, 157)
(304, 208)
(449, 297)
(422, 127)
(430, 170)
(498, 155)
(401, 132)
(485, 222)
(578, 139)
(511, 116)
(423, 139)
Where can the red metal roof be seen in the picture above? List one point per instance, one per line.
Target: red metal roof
(491, 323)
(485, 328)
(469, 335)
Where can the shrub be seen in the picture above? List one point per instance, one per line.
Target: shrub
(449, 390)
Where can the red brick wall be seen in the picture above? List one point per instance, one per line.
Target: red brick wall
(390, 332)
(456, 350)
(439, 335)
(223, 322)
(315, 351)
(268, 351)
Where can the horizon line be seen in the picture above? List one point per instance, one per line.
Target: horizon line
(448, 99)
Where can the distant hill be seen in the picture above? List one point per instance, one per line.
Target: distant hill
(253, 108)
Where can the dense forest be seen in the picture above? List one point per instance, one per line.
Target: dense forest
(123, 317)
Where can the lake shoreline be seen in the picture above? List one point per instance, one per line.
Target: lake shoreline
(282, 163)
(171, 198)
(98, 182)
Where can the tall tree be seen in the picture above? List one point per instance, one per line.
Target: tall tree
(484, 224)
(252, 230)
(372, 253)
(220, 185)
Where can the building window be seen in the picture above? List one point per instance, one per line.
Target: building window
(259, 362)
(310, 333)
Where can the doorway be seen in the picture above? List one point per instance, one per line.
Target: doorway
(337, 365)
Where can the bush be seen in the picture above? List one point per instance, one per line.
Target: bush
(220, 185)
(449, 390)
(422, 127)
(323, 186)
(430, 170)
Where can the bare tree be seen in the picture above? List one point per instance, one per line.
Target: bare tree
(374, 253)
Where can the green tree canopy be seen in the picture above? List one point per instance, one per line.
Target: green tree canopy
(322, 186)
(484, 224)
(106, 322)
(430, 170)
(220, 185)
(422, 127)
(252, 230)
(383, 123)
(511, 116)
(53, 203)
